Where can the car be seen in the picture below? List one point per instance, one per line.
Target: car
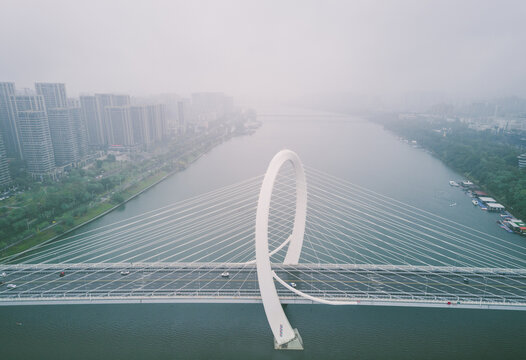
(124, 272)
(3, 274)
(225, 274)
(11, 286)
(62, 274)
(293, 284)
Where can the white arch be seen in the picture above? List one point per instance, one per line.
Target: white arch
(279, 324)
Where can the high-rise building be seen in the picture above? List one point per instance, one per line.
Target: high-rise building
(118, 118)
(163, 123)
(98, 125)
(33, 127)
(5, 178)
(29, 102)
(182, 116)
(156, 118)
(104, 101)
(54, 94)
(36, 142)
(170, 102)
(92, 119)
(153, 122)
(61, 125)
(62, 136)
(8, 125)
(80, 133)
(73, 103)
(139, 123)
(120, 100)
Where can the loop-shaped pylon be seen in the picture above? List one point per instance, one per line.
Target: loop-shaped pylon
(279, 324)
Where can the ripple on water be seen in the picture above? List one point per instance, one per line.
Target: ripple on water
(223, 331)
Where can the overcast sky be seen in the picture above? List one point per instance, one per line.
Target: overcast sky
(264, 48)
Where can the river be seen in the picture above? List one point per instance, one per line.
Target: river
(350, 148)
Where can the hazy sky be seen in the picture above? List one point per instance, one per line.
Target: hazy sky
(266, 48)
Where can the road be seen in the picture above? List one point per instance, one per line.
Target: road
(180, 282)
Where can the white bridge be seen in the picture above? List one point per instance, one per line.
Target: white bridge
(270, 240)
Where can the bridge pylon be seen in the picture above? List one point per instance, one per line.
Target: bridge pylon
(285, 337)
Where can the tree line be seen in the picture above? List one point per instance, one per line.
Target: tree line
(485, 157)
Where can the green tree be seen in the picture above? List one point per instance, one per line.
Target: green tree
(68, 220)
(117, 198)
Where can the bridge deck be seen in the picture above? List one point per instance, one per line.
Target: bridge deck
(184, 282)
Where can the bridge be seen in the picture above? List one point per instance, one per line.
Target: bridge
(268, 240)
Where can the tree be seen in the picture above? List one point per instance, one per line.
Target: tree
(68, 220)
(117, 198)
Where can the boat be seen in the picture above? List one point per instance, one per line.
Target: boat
(481, 205)
(453, 183)
(453, 204)
(475, 202)
(505, 225)
(11, 286)
(125, 272)
(225, 274)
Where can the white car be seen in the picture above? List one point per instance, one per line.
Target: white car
(225, 274)
(11, 286)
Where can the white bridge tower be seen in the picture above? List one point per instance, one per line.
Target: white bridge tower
(285, 337)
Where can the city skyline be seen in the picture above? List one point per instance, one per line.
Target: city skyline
(51, 131)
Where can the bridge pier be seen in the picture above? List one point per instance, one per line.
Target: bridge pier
(294, 344)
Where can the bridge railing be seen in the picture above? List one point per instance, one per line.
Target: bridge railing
(301, 266)
(254, 294)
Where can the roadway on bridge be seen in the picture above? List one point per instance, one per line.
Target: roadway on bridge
(112, 281)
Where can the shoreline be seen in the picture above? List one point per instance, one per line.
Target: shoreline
(478, 184)
(5, 254)
(98, 216)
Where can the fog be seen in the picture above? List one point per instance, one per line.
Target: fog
(267, 50)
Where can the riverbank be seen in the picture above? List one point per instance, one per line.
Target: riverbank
(165, 166)
(480, 156)
(93, 214)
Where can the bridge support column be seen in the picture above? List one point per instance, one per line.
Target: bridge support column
(294, 344)
(285, 337)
